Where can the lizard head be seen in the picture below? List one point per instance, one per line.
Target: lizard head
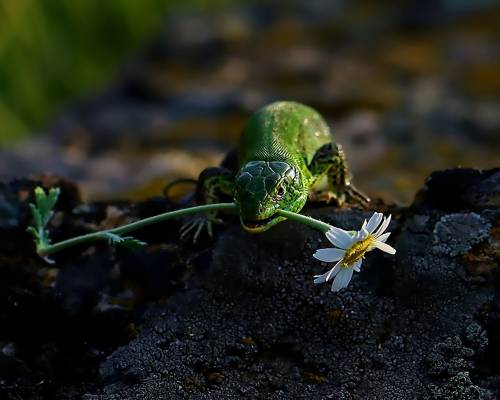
(262, 188)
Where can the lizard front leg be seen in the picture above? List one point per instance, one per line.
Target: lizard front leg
(215, 185)
(331, 177)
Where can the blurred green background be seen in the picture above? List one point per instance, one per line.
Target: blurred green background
(130, 94)
(52, 51)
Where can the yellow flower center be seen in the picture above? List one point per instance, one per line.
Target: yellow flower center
(356, 251)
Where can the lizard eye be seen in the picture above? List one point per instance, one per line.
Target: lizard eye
(281, 191)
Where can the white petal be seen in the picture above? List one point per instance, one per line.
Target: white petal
(384, 247)
(357, 265)
(355, 235)
(335, 240)
(383, 238)
(374, 222)
(364, 224)
(342, 279)
(339, 237)
(329, 255)
(320, 278)
(327, 275)
(334, 271)
(384, 226)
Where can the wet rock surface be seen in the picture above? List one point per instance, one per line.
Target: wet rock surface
(241, 317)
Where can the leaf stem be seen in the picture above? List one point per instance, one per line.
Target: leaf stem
(304, 219)
(101, 235)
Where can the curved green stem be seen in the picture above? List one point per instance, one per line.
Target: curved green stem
(304, 219)
(45, 250)
(101, 235)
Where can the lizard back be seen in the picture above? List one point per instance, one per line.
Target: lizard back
(283, 131)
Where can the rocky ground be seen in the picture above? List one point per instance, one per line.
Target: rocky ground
(241, 318)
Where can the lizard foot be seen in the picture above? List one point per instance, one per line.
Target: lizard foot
(351, 192)
(196, 225)
(357, 195)
(326, 197)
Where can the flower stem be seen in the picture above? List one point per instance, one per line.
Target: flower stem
(303, 219)
(101, 235)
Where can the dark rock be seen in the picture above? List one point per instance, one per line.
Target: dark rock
(252, 325)
(455, 234)
(461, 189)
(241, 318)
(459, 387)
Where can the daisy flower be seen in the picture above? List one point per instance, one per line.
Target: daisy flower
(350, 249)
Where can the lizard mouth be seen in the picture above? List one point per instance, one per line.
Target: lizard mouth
(257, 225)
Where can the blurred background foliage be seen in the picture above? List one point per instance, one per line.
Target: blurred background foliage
(52, 51)
(130, 94)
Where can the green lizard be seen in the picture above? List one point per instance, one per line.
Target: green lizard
(285, 158)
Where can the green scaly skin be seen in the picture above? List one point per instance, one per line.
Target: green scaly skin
(285, 157)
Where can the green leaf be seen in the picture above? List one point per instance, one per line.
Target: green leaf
(40, 195)
(128, 242)
(132, 243)
(112, 238)
(42, 212)
(32, 231)
(37, 219)
(52, 197)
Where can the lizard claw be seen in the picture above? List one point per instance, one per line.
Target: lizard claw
(357, 195)
(196, 225)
